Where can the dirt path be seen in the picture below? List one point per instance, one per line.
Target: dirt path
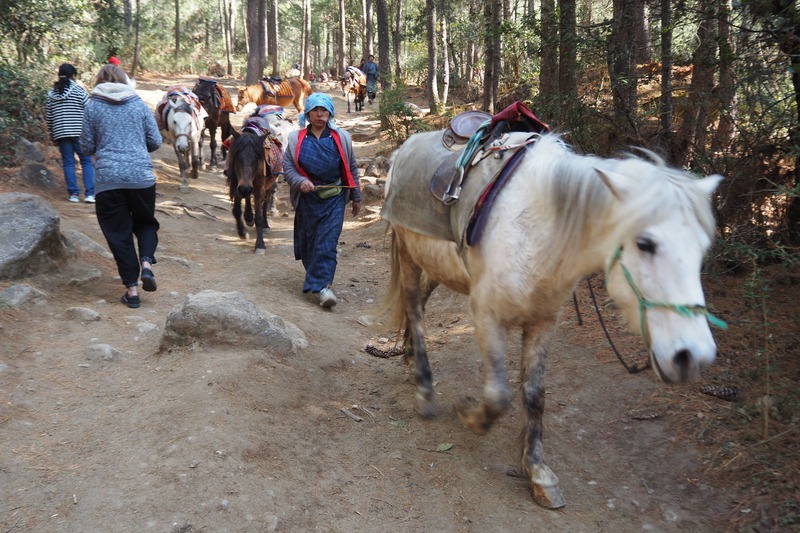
(238, 440)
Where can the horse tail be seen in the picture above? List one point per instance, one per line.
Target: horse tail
(393, 301)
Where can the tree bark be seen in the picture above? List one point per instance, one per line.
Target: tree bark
(398, 27)
(177, 30)
(548, 76)
(384, 60)
(445, 58)
(272, 43)
(665, 111)
(492, 12)
(726, 93)
(306, 63)
(568, 60)
(253, 63)
(137, 47)
(621, 68)
(342, 29)
(433, 64)
(370, 30)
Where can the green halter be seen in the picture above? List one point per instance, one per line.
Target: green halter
(645, 304)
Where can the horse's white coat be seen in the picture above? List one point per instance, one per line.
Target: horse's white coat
(184, 131)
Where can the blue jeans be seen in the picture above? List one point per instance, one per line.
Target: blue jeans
(69, 147)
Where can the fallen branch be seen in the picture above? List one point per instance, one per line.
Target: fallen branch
(351, 415)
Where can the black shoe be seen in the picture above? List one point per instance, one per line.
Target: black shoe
(148, 280)
(131, 301)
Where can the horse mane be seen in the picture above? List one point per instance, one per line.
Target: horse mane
(582, 206)
(248, 145)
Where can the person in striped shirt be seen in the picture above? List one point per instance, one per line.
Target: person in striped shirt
(64, 112)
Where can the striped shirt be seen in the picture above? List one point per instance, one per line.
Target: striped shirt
(64, 112)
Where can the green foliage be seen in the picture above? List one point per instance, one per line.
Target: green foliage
(22, 106)
(397, 119)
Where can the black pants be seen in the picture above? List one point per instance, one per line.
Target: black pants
(123, 213)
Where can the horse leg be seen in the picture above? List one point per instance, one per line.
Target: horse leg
(226, 132)
(271, 209)
(542, 481)
(212, 145)
(237, 215)
(182, 163)
(427, 286)
(259, 203)
(491, 336)
(248, 211)
(410, 281)
(196, 161)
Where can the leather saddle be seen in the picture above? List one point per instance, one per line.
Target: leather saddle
(462, 127)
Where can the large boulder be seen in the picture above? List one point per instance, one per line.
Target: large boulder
(30, 239)
(228, 318)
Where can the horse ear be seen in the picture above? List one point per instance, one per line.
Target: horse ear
(709, 184)
(615, 183)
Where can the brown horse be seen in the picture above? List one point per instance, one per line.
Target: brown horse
(217, 103)
(291, 91)
(354, 82)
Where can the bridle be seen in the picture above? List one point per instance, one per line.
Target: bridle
(646, 303)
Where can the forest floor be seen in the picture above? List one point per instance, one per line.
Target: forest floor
(210, 439)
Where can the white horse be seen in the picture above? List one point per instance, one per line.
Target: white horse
(184, 129)
(560, 217)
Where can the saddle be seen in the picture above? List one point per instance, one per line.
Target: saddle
(277, 88)
(488, 134)
(462, 127)
(176, 93)
(219, 95)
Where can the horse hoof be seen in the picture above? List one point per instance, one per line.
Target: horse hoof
(472, 412)
(261, 251)
(250, 223)
(184, 189)
(545, 489)
(426, 408)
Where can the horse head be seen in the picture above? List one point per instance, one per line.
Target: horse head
(181, 124)
(248, 164)
(209, 98)
(654, 273)
(243, 98)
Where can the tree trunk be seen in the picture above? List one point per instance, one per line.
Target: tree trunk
(472, 44)
(127, 10)
(370, 30)
(641, 50)
(492, 11)
(137, 47)
(398, 26)
(692, 134)
(273, 36)
(621, 69)
(567, 61)
(306, 64)
(726, 94)
(384, 61)
(253, 63)
(665, 111)
(177, 30)
(263, 15)
(548, 77)
(445, 58)
(433, 64)
(341, 45)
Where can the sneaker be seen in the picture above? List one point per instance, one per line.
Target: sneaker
(74, 198)
(131, 301)
(327, 298)
(89, 199)
(148, 280)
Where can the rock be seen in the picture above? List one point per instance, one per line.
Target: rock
(90, 276)
(371, 193)
(79, 241)
(228, 318)
(216, 70)
(414, 110)
(84, 314)
(379, 167)
(146, 327)
(103, 352)
(30, 240)
(27, 151)
(40, 177)
(22, 295)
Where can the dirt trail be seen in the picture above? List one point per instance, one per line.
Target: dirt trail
(238, 440)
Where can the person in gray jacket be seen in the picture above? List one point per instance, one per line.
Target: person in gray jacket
(64, 113)
(120, 131)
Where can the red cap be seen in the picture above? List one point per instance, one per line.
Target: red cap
(113, 60)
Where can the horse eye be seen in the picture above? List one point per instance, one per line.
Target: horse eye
(646, 245)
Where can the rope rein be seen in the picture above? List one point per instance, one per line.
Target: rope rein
(645, 303)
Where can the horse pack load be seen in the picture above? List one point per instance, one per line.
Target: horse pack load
(558, 217)
(290, 91)
(181, 116)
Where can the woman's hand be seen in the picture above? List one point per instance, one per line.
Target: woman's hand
(356, 207)
(307, 186)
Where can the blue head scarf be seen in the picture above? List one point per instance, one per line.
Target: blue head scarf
(318, 100)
